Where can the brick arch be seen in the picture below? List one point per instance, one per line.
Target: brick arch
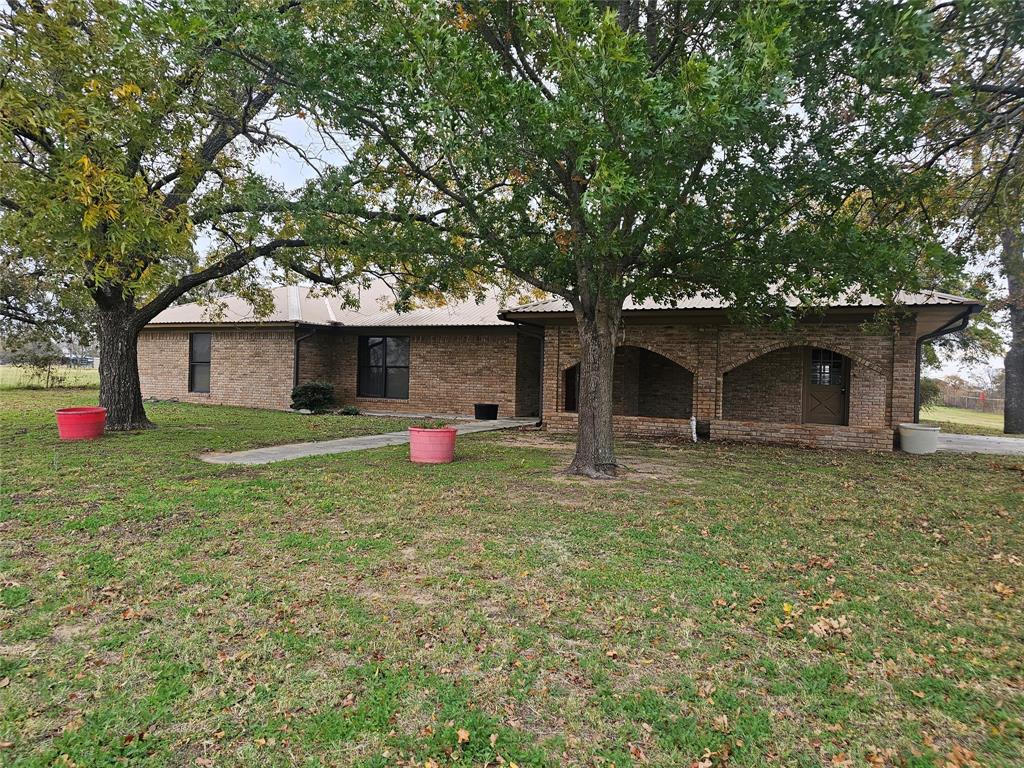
(775, 346)
(669, 355)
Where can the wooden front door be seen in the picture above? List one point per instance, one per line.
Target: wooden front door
(826, 388)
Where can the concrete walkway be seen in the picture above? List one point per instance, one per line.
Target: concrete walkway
(346, 444)
(1007, 446)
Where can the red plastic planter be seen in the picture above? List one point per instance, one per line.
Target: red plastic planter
(432, 446)
(83, 423)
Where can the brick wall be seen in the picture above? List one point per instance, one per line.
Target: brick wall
(768, 388)
(247, 367)
(641, 351)
(743, 377)
(316, 350)
(449, 370)
(528, 369)
(665, 390)
(804, 435)
(638, 427)
(626, 386)
(646, 384)
(742, 381)
(904, 365)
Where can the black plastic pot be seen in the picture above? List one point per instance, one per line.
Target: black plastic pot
(485, 411)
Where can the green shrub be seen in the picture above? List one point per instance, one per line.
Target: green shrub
(348, 410)
(316, 396)
(930, 392)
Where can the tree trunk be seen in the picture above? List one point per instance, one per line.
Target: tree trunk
(120, 390)
(598, 326)
(1013, 266)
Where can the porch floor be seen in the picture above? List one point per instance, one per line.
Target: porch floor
(345, 444)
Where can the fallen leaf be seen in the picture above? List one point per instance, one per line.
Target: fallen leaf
(1005, 591)
(879, 758)
(959, 757)
(637, 753)
(4, 682)
(463, 735)
(826, 627)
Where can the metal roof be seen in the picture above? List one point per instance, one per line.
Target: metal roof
(298, 304)
(853, 299)
(295, 304)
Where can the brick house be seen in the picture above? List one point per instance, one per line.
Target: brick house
(831, 381)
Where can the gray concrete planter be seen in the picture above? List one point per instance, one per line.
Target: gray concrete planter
(919, 438)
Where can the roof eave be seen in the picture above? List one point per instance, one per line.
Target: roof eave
(521, 315)
(228, 324)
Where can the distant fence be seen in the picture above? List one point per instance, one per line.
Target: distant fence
(974, 402)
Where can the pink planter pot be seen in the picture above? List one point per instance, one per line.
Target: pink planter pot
(432, 446)
(84, 423)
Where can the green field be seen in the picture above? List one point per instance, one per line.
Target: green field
(718, 605)
(17, 377)
(963, 420)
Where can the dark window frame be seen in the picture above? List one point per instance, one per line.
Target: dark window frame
(388, 372)
(194, 363)
(828, 368)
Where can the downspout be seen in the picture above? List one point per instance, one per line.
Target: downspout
(295, 356)
(958, 323)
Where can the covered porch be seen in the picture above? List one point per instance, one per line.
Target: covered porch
(796, 390)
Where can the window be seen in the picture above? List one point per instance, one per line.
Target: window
(384, 367)
(199, 362)
(827, 368)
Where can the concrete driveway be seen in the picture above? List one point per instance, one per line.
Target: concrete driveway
(1006, 446)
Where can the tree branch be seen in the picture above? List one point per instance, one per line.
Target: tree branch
(230, 263)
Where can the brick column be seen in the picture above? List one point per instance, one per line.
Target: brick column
(904, 366)
(552, 369)
(707, 404)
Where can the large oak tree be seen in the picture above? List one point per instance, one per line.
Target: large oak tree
(130, 135)
(654, 149)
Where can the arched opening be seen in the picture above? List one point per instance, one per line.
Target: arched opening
(645, 384)
(791, 385)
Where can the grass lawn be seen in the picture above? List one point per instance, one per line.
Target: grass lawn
(14, 377)
(963, 421)
(718, 605)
